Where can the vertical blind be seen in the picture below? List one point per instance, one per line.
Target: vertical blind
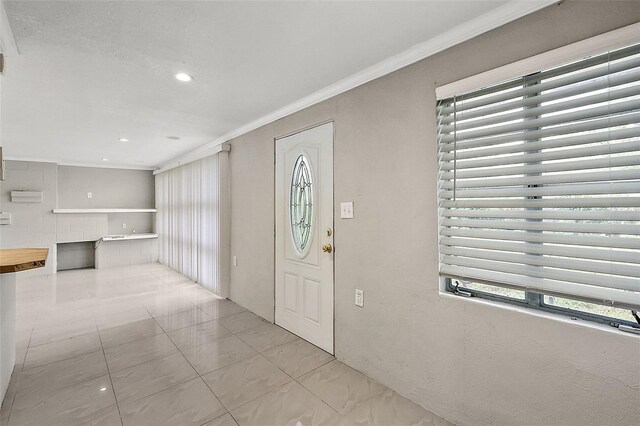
(539, 181)
(188, 204)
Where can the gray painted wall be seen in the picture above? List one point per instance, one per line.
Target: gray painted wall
(470, 361)
(110, 188)
(76, 256)
(32, 224)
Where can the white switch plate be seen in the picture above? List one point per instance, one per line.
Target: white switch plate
(235, 261)
(124, 226)
(89, 195)
(359, 298)
(346, 210)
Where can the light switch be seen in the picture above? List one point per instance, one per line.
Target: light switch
(359, 298)
(235, 261)
(89, 195)
(346, 210)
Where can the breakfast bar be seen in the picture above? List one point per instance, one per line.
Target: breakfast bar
(11, 262)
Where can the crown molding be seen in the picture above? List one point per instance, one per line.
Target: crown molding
(105, 166)
(500, 16)
(194, 156)
(79, 164)
(8, 45)
(30, 159)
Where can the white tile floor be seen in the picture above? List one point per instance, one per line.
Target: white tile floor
(143, 345)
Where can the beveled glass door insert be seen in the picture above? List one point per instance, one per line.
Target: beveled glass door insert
(301, 206)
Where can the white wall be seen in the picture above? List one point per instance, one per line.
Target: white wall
(469, 361)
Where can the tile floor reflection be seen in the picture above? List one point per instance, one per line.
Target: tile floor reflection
(143, 345)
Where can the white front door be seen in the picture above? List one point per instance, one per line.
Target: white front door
(304, 235)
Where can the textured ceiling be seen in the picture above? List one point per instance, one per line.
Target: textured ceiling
(90, 72)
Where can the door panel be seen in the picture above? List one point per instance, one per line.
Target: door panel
(312, 300)
(291, 293)
(304, 213)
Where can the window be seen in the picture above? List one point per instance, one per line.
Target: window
(301, 206)
(539, 189)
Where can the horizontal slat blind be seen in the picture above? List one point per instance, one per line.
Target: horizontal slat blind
(539, 181)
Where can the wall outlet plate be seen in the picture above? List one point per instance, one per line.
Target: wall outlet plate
(359, 298)
(89, 195)
(346, 210)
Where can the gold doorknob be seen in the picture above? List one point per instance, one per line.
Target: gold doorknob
(327, 248)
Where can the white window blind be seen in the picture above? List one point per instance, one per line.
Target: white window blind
(539, 181)
(188, 222)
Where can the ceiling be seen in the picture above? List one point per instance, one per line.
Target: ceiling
(90, 72)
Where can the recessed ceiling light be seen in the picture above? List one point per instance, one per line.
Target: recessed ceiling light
(105, 159)
(174, 138)
(183, 76)
(103, 389)
(123, 139)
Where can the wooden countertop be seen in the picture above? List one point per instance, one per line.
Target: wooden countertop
(16, 260)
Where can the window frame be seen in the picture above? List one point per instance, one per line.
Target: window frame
(534, 300)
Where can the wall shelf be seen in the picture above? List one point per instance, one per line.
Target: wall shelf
(90, 211)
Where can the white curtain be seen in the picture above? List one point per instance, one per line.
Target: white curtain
(190, 213)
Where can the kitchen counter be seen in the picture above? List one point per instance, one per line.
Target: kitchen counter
(12, 261)
(16, 260)
(128, 237)
(123, 250)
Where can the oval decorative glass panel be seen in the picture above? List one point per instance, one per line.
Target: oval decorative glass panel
(301, 205)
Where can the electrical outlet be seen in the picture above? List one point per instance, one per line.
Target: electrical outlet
(235, 261)
(359, 298)
(346, 210)
(124, 226)
(89, 195)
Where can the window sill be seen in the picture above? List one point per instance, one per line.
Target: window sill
(445, 295)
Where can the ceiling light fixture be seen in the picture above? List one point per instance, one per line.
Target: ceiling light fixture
(183, 76)
(123, 139)
(105, 159)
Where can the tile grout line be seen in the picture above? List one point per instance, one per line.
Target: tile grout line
(63, 359)
(79, 355)
(311, 392)
(177, 384)
(113, 389)
(234, 363)
(356, 405)
(181, 353)
(276, 366)
(13, 399)
(200, 375)
(199, 307)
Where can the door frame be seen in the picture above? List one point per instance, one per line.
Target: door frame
(333, 208)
